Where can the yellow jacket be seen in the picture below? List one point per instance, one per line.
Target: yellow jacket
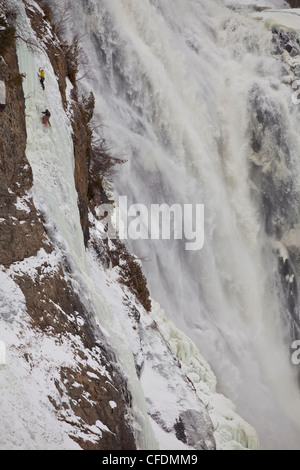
(42, 73)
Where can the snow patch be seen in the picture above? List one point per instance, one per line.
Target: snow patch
(12, 300)
(2, 93)
(286, 20)
(41, 265)
(257, 3)
(22, 204)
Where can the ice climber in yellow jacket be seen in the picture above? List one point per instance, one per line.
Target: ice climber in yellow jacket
(42, 77)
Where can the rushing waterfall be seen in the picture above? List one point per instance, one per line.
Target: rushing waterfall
(193, 94)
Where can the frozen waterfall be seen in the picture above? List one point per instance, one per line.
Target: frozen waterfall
(178, 85)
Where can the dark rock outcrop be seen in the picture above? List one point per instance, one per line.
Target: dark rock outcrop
(294, 3)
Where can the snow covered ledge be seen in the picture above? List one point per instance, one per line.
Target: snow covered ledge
(2, 94)
(286, 20)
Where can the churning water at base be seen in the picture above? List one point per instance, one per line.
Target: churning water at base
(177, 85)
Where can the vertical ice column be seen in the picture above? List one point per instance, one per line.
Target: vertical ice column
(2, 94)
